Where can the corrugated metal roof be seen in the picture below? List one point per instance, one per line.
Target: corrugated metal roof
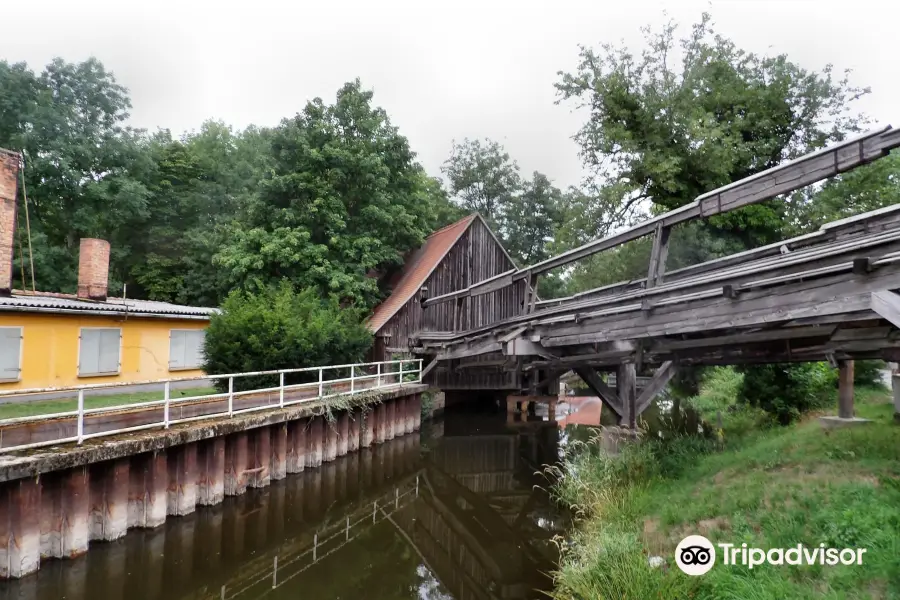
(50, 302)
(417, 270)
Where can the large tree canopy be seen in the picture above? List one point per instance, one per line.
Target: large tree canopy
(688, 115)
(346, 198)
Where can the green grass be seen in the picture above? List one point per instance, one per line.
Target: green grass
(771, 488)
(43, 407)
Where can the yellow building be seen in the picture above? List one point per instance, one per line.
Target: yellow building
(57, 340)
(54, 341)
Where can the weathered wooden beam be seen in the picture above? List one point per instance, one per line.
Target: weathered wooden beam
(512, 334)
(523, 347)
(793, 175)
(661, 378)
(887, 304)
(626, 386)
(428, 368)
(592, 379)
(658, 254)
(805, 298)
(487, 286)
(845, 389)
(484, 348)
(837, 258)
(533, 283)
(784, 333)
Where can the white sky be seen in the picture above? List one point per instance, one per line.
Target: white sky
(443, 70)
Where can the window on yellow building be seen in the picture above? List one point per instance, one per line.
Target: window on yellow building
(10, 353)
(186, 349)
(99, 351)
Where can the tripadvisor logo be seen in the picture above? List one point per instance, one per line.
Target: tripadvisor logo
(696, 555)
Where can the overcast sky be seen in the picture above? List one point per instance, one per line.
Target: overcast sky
(442, 70)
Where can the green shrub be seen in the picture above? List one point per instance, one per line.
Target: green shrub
(868, 372)
(718, 391)
(787, 390)
(279, 328)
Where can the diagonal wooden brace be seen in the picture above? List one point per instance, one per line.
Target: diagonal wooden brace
(592, 379)
(660, 380)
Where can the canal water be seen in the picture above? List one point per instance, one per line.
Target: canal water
(455, 511)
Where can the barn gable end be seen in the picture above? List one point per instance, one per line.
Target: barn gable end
(451, 259)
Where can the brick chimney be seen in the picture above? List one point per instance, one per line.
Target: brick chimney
(93, 269)
(9, 179)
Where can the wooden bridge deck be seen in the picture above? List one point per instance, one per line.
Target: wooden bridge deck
(828, 295)
(811, 300)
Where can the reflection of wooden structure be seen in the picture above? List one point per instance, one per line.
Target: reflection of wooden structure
(474, 527)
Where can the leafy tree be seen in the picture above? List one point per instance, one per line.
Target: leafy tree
(483, 179)
(866, 188)
(530, 220)
(660, 133)
(278, 328)
(684, 117)
(346, 198)
(787, 390)
(198, 185)
(69, 121)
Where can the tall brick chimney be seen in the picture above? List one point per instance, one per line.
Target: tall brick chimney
(93, 269)
(9, 179)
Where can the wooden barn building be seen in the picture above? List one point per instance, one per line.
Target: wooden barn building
(451, 259)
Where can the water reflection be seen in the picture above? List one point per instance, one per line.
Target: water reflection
(451, 513)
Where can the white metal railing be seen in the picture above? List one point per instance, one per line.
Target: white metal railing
(16, 433)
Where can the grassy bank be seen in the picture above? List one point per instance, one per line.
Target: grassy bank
(771, 488)
(57, 405)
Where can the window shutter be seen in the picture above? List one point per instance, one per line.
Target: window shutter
(100, 351)
(10, 353)
(186, 348)
(196, 356)
(176, 349)
(89, 357)
(110, 342)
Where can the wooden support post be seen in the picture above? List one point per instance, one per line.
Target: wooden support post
(534, 284)
(530, 294)
(457, 316)
(845, 389)
(658, 255)
(626, 384)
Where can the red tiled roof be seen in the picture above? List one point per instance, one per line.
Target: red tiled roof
(417, 270)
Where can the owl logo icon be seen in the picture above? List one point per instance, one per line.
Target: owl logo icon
(695, 555)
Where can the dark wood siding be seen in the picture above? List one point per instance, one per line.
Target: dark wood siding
(476, 256)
